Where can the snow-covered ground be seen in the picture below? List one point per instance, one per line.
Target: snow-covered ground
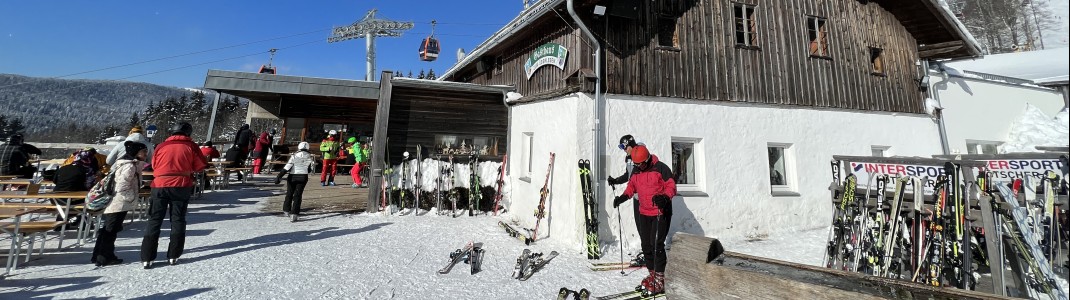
(235, 251)
(1034, 128)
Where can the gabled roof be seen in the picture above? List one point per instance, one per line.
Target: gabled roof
(939, 34)
(520, 22)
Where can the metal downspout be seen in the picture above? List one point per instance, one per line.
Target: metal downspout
(599, 105)
(935, 93)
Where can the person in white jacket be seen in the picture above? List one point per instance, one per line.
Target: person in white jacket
(136, 135)
(299, 166)
(127, 185)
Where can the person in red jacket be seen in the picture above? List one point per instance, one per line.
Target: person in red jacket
(260, 152)
(174, 163)
(209, 151)
(652, 180)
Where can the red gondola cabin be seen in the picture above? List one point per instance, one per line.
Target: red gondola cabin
(429, 49)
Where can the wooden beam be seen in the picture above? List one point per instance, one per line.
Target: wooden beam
(690, 275)
(379, 140)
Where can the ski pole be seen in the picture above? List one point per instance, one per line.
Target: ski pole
(620, 232)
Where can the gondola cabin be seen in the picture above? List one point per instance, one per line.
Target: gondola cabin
(429, 49)
(267, 69)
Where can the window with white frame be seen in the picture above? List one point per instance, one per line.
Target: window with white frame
(687, 166)
(526, 153)
(879, 151)
(781, 169)
(982, 147)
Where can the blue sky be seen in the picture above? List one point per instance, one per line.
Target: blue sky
(58, 38)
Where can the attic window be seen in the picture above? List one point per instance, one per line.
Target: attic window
(667, 35)
(876, 60)
(818, 35)
(746, 25)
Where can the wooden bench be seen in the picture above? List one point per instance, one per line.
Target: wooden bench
(29, 232)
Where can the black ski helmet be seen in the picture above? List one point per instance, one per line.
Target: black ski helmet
(15, 139)
(183, 128)
(627, 141)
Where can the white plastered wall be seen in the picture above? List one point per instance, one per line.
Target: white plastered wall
(734, 197)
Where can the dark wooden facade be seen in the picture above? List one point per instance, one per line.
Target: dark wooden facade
(418, 115)
(705, 63)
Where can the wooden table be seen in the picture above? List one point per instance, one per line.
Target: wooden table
(62, 202)
(16, 213)
(7, 177)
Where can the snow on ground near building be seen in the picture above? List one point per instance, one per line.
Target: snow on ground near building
(235, 251)
(1034, 128)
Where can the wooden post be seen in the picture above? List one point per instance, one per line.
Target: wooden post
(379, 146)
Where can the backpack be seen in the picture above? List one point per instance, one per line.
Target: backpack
(101, 194)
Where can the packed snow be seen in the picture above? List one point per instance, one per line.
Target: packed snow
(1034, 128)
(236, 251)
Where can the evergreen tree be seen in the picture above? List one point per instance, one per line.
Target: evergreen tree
(431, 74)
(134, 120)
(421, 76)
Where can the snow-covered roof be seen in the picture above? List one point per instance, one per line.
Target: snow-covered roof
(1041, 67)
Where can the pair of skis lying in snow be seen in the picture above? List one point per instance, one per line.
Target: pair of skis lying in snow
(471, 253)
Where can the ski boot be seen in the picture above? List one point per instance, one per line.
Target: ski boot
(563, 294)
(646, 281)
(173, 261)
(655, 286)
(584, 294)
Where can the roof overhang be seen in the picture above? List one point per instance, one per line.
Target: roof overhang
(521, 21)
(256, 86)
(939, 34)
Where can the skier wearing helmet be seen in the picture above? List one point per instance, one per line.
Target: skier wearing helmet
(652, 181)
(299, 166)
(329, 149)
(356, 153)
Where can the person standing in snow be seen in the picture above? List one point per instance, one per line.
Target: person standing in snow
(653, 183)
(136, 135)
(260, 152)
(357, 155)
(628, 144)
(244, 139)
(127, 185)
(299, 165)
(234, 156)
(329, 149)
(176, 159)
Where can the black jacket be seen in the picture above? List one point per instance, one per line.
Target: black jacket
(233, 155)
(244, 138)
(70, 178)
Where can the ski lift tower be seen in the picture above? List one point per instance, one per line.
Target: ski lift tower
(369, 28)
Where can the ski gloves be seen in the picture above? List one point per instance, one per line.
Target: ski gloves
(612, 181)
(662, 202)
(620, 199)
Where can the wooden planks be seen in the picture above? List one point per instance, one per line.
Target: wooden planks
(699, 268)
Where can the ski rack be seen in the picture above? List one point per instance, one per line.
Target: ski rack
(981, 203)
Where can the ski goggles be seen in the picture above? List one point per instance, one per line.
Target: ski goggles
(622, 146)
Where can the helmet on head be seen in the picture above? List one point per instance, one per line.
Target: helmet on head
(626, 141)
(641, 156)
(406, 154)
(333, 132)
(15, 139)
(352, 139)
(302, 146)
(183, 128)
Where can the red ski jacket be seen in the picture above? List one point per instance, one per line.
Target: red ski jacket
(175, 161)
(656, 180)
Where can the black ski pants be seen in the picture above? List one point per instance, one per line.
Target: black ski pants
(295, 186)
(104, 250)
(175, 200)
(652, 232)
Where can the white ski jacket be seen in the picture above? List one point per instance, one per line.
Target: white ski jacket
(300, 163)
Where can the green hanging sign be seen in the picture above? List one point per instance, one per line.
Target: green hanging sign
(548, 54)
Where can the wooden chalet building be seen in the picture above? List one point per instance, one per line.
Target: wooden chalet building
(746, 100)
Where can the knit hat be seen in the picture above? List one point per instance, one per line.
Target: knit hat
(136, 129)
